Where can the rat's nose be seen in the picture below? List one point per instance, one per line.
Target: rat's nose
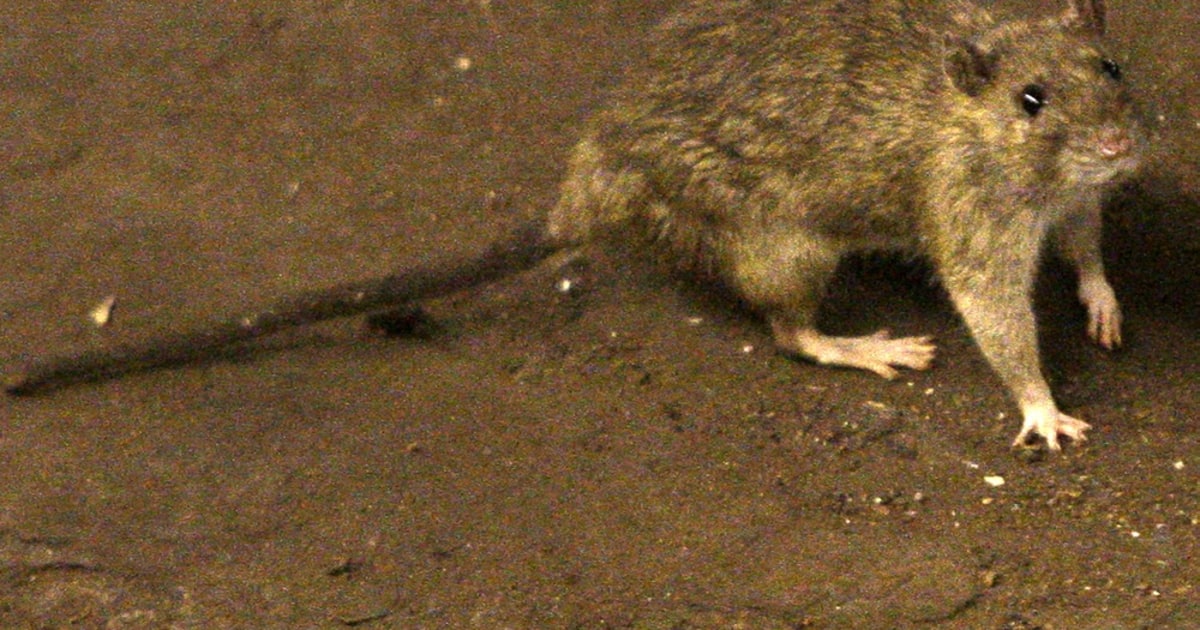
(1114, 143)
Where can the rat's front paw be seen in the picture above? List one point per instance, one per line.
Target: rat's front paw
(1051, 423)
(1104, 312)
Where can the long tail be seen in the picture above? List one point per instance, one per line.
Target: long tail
(521, 250)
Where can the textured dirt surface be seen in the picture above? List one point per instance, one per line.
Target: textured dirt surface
(628, 454)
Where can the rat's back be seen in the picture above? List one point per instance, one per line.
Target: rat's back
(747, 110)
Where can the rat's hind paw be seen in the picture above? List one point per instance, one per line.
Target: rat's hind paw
(877, 353)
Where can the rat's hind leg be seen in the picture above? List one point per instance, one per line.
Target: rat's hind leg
(787, 283)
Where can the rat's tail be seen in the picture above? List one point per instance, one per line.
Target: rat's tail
(522, 249)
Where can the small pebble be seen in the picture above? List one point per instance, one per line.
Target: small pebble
(101, 313)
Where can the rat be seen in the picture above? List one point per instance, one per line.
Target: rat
(765, 140)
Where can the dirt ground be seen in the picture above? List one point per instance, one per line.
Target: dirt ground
(629, 454)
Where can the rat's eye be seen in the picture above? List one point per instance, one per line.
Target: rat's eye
(1111, 68)
(1033, 99)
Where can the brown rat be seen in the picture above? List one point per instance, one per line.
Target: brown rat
(771, 138)
(767, 139)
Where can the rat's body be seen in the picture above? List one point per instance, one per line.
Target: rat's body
(768, 139)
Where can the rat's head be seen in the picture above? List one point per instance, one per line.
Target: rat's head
(1049, 90)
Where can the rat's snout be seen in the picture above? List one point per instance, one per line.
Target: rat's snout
(1114, 143)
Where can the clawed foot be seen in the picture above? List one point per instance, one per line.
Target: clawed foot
(1051, 423)
(1104, 312)
(876, 353)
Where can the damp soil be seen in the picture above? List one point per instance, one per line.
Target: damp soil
(628, 453)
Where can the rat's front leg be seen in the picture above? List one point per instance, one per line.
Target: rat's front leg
(1078, 241)
(992, 292)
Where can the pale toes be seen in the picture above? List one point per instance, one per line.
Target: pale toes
(1104, 312)
(1049, 425)
(878, 353)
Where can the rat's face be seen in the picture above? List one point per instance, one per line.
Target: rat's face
(1067, 99)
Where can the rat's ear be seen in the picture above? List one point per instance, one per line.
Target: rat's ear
(1085, 14)
(969, 67)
